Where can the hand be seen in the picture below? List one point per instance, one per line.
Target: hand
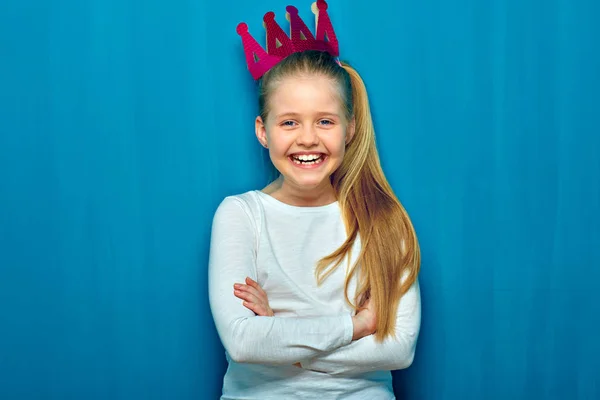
(365, 321)
(254, 297)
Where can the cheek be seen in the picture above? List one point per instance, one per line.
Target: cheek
(336, 145)
(278, 144)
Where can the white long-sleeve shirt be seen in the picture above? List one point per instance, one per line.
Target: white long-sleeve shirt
(278, 245)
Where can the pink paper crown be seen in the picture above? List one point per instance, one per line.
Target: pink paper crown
(280, 45)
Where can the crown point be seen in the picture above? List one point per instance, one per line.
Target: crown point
(242, 28)
(322, 5)
(292, 10)
(270, 16)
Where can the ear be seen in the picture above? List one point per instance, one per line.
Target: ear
(261, 132)
(350, 130)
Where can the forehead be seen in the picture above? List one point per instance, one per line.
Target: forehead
(305, 94)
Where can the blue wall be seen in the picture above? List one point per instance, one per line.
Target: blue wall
(122, 127)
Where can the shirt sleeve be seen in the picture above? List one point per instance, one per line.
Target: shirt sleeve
(248, 338)
(364, 355)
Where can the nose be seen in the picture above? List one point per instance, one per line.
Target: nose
(307, 136)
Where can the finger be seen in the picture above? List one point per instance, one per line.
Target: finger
(252, 282)
(251, 306)
(239, 295)
(256, 308)
(255, 285)
(258, 293)
(248, 288)
(247, 296)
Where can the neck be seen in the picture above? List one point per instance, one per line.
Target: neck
(302, 197)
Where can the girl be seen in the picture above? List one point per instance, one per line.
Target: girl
(313, 279)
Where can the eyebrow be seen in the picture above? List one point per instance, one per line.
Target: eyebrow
(295, 114)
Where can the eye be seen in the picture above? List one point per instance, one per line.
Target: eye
(326, 122)
(288, 124)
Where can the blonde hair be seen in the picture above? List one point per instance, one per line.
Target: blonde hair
(389, 258)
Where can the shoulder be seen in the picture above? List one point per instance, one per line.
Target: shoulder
(239, 203)
(239, 207)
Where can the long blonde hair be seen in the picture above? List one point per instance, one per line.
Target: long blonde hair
(389, 259)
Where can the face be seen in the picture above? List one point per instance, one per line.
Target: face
(306, 131)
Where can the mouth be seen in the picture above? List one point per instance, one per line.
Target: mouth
(308, 159)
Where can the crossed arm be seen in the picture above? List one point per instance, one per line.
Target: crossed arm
(319, 343)
(362, 355)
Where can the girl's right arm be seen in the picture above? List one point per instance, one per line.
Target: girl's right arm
(248, 338)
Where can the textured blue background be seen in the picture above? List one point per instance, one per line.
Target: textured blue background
(122, 126)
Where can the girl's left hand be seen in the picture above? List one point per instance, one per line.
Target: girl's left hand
(254, 297)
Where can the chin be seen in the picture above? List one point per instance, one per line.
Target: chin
(310, 184)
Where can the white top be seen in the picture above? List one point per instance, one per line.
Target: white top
(278, 245)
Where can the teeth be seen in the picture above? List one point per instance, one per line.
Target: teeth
(307, 157)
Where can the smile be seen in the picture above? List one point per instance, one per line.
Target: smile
(308, 160)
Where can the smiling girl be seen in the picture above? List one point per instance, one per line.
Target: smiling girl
(313, 279)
